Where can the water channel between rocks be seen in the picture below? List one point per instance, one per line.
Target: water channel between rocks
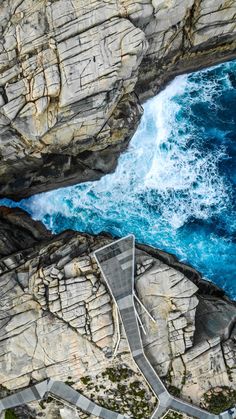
(175, 186)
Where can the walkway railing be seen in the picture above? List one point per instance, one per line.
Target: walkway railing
(59, 391)
(116, 261)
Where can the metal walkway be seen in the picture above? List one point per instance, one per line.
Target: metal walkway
(116, 262)
(59, 391)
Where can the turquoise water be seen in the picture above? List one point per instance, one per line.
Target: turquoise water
(174, 187)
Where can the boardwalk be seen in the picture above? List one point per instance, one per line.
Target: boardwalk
(59, 391)
(116, 262)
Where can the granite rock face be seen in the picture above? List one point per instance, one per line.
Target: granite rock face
(72, 73)
(57, 318)
(18, 231)
(192, 345)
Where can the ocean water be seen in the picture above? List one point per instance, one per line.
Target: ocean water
(175, 186)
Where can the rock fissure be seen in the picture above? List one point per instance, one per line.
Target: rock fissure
(123, 46)
(185, 344)
(73, 75)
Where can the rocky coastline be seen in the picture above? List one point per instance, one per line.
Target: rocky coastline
(73, 77)
(53, 296)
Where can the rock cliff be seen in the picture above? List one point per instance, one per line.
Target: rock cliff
(72, 73)
(58, 320)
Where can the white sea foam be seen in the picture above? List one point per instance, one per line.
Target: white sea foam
(178, 181)
(166, 186)
(186, 180)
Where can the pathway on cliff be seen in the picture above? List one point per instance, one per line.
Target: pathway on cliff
(59, 391)
(116, 261)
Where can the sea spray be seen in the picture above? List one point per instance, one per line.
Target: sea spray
(174, 186)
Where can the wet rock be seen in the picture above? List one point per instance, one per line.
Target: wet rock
(54, 323)
(71, 73)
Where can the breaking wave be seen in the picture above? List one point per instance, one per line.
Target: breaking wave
(174, 187)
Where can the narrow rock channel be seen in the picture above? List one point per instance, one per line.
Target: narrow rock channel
(117, 117)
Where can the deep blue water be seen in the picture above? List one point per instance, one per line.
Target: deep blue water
(174, 187)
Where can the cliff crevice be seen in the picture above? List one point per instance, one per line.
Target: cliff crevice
(72, 74)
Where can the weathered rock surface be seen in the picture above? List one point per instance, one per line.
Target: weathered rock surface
(58, 320)
(70, 73)
(193, 332)
(18, 231)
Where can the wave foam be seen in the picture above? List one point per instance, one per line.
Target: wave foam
(171, 188)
